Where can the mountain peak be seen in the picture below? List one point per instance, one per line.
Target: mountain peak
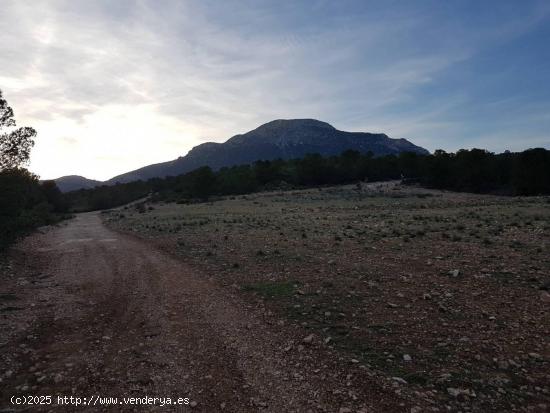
(74, 182)
(282, 131)
(281, 124)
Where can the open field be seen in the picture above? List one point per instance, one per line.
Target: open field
(444, 294)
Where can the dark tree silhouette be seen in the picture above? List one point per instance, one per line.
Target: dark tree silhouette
(15, 145)
(24, 203)
(203, 182)
(475, 170)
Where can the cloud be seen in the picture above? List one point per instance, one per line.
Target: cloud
(138, 82)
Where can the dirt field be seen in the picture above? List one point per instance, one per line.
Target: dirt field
(345, 299)
(444, 295)
(94, 314)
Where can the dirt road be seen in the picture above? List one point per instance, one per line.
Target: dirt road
(89, 312)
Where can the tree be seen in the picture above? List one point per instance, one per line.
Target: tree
(313, 169)
(22, 202)
(54, 196)
(237, 180)
(474, 170)
(532, 172)
(203, 182)
(439, 173)
(15, 145)
(268, 171)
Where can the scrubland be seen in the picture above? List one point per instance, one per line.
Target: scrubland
(445, 294)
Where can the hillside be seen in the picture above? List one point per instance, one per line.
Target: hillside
(74, 182)
(284, 139)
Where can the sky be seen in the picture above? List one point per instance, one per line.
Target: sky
(111, 86)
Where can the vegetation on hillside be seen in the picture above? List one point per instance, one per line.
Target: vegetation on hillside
(476, 170)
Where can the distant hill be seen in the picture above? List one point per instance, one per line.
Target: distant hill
(74, 182)
(285, 139)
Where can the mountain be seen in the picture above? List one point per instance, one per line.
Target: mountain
(74, 182)
(286, 139)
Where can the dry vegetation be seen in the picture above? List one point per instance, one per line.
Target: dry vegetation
(445, 293)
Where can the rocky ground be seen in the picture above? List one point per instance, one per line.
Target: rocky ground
(442, 297)
(90, 313)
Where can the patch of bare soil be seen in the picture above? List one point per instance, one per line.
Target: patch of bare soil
(442, 296)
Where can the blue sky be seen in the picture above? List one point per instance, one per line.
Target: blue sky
(112, 86)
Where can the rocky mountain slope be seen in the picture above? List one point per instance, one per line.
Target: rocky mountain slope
(286, 139)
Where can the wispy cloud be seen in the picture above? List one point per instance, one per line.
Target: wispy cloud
(111, 86)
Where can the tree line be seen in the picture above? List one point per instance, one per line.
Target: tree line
(475, 170)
